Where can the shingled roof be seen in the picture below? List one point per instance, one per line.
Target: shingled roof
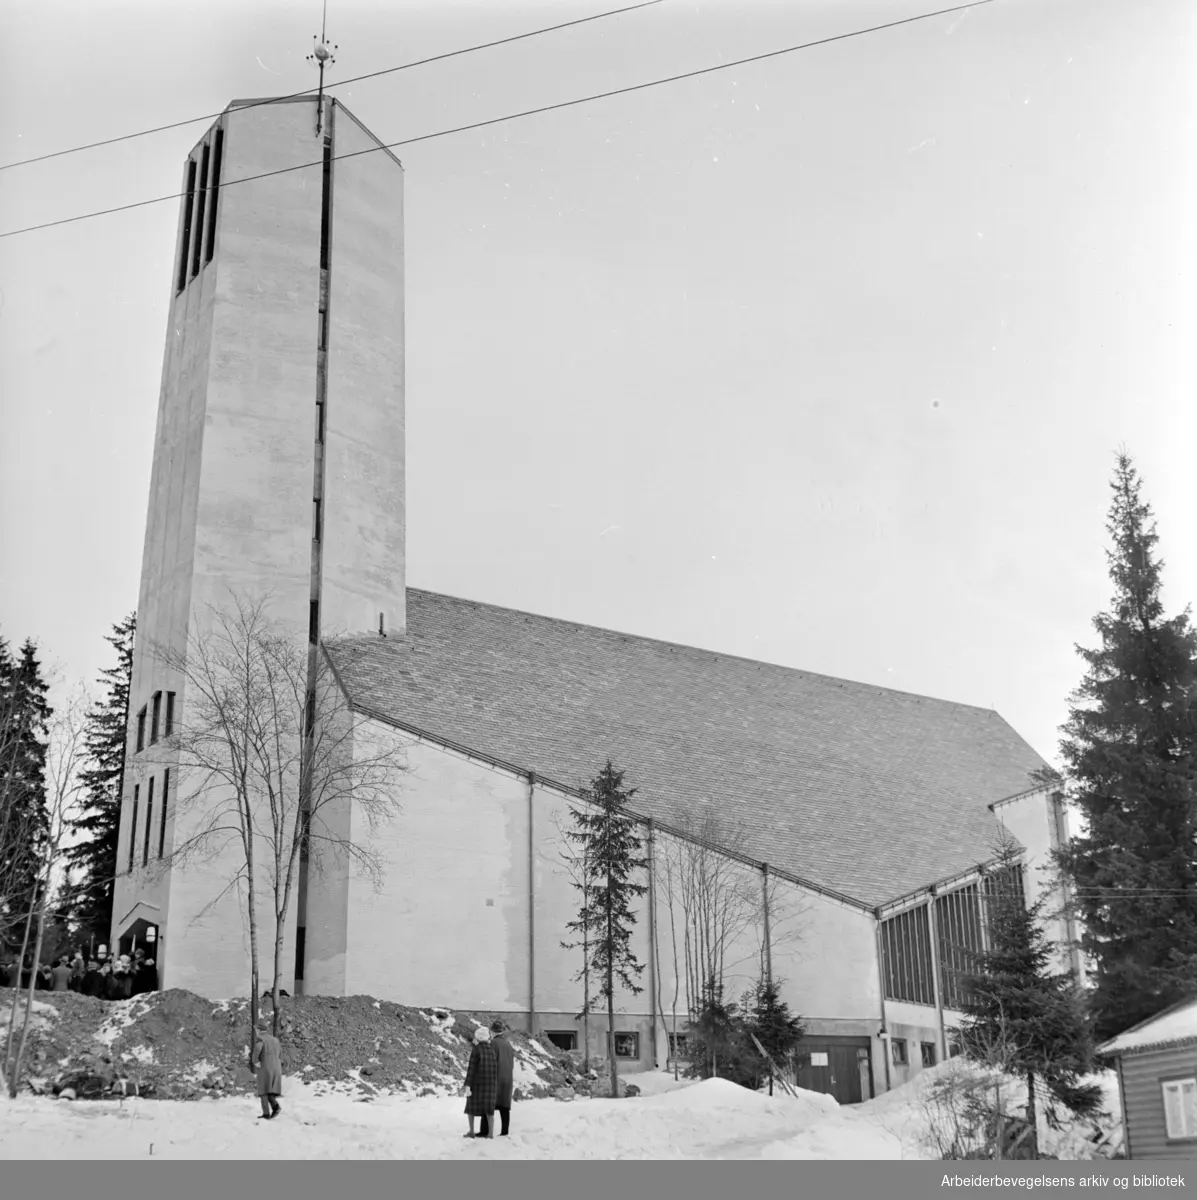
(868, 792)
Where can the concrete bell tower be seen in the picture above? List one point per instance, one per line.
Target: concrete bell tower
(278, 458)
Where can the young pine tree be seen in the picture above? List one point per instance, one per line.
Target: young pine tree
(1021, 1015)
(1130, 749)
(777, 1029)
(609, 842)
(24, 818)
(92, 860)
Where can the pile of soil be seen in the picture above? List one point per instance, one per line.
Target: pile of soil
(176, 1045)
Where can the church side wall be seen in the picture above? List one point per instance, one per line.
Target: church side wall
(450, 923)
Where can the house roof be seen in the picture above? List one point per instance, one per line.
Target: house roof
(1175, 1026)
(868, 792)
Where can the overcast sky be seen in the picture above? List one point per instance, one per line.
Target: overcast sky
(822, 360)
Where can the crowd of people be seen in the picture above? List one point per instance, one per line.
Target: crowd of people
(107, 977)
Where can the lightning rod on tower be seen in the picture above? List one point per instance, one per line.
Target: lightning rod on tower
(322, 56)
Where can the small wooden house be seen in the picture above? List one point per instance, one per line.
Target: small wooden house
(1156, 1062)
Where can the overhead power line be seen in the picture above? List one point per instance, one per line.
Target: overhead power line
(530, 112)
(422, 62)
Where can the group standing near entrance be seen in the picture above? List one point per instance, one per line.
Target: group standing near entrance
(106, 978)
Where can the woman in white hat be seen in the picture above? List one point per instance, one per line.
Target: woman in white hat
(482, 1083)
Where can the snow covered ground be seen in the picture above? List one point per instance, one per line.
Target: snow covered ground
(670, 1119)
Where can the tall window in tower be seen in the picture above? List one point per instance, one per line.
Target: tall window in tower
(162, 826)
(149, 823)
(214, 187)
(133, 828)
(326, 206)
(200, 199)
(185, 244)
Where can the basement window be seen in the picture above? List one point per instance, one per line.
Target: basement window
(563, 1039)
(897, 1049)
(928, 1049)
(141, 730)
(627, 1045)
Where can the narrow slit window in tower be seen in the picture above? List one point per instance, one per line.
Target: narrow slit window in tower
(185, 246)
(200, 201)
(214, 186)
(162, 825)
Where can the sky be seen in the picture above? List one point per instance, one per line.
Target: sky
(822, 360)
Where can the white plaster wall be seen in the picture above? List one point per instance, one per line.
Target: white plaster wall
(449, 923)
(1032, 820)
(916, 1023)
(364, 477)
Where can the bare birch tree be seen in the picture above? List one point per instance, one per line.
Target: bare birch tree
(271, 762)
(66, 756)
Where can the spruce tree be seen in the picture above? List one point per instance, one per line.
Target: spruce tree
(24, 821)
(92, 859)
(1021, 1015)
(610, 844)
(1130, 750)
(778, 1030)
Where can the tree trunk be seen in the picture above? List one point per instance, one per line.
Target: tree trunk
(1032, 1120)
(12, 1016)
(586, 977)
(37, 953)
(254, 972)
(611, 993)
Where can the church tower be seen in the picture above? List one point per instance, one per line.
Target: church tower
(278, 467)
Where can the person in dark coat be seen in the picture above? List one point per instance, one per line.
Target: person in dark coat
(61, 976)
(268, 1058)
(91, 979)
(505, 1055)
(482, 1084)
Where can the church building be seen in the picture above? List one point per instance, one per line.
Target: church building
(854, 827)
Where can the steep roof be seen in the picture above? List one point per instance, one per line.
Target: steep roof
(1175, 1026)
(868, 792)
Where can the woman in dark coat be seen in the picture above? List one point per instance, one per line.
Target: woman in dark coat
(482, 1084)
(268, 1059)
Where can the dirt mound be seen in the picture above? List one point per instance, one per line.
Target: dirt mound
(180, 1046)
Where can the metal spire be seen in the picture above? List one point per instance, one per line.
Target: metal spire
(322, 56)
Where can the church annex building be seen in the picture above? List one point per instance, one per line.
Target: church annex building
(864, 819)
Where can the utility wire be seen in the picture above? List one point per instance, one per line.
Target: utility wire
(423, 62)
(531, 112)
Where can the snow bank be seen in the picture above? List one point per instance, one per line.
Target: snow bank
(713, 1120)
(922, 1119)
